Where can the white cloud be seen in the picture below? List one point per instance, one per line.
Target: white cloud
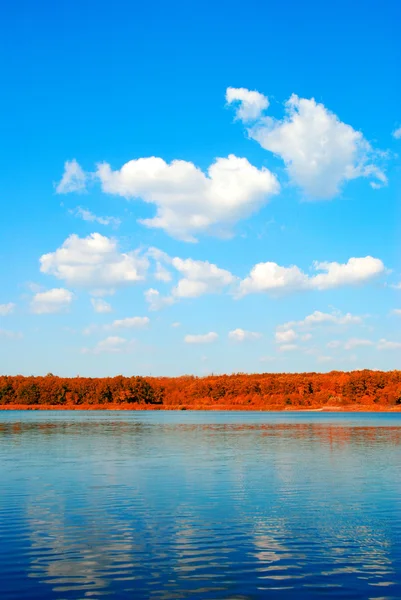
(356, 343)
(321, 318)
(288, 348)
(131, 322)
(101, 306)
(354, 272)
(74, 178)
(94, 262)
(52, 301)
(388, 345)
(320, 152)
(87, 215)
(156, 301)
(162, 274)
(240, 335)
(286, 336)
(249, 104)
(272, 278)
(200, 277)
(188, 201)
(10, 335)
(397, 311)
(397, 133)
(207, 338)
(6, 309)
(112, 344)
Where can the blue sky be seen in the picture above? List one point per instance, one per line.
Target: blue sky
(198, 188)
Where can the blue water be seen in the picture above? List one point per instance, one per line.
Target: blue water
(171, 505)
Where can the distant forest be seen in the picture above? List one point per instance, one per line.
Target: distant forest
(267, 391)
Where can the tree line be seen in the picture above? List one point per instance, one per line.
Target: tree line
(268, 391)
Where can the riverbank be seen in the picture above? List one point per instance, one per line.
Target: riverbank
(131, 407)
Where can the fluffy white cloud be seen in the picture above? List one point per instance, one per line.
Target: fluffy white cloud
(356, 343)
(285, 336)
(100, 305)
(162, 274)
(397, 133)
(397, 311)
(87, 215)
(320, 152)
(156, 301)
(94, 262)
(354, 272)
(200, 277)
(321, 318)
(388, 345)
(131, 322)
(52, 301)
(272, 278)
(240, 335)
(206, 338)
(73, 180)
(249, 104)
(112, 344)
(188, 201)
(6, 309)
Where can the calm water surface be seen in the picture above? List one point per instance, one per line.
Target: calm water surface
(171, 505)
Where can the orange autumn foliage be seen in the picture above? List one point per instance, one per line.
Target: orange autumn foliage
(266, 391)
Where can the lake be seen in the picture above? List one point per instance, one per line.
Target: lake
(210, 505)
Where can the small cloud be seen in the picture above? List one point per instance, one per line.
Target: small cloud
(130, 322)
(100, 305)
(288, 348)
(162, 274)
(6, 309)
(112, 345)
(240, 335)
(388, 345)
(73, 180)
(356, 342)
(53, 301)
(176, 324)
(156, 301)
(250, 104)
(397, 133)
(87, 215)
(206, 338)
(286, 336)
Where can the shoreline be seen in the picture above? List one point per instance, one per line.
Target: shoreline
(158, 407)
